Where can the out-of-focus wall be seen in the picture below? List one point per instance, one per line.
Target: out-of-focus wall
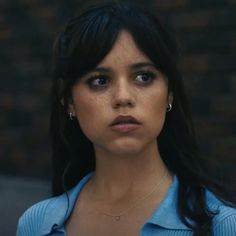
(206, 32)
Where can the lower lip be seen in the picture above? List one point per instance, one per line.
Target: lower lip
(125, 128)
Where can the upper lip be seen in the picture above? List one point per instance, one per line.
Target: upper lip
(124, 120)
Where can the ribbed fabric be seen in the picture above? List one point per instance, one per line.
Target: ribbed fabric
(153, 230)
(48, 217)
(33, 218)
(225, 223)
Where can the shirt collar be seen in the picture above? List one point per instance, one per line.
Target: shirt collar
(166, 214)
(61, 207)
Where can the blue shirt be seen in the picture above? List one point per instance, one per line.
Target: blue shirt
(48, 217)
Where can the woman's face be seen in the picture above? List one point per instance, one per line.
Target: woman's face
(121, 104)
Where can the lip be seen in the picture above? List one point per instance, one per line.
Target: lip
(125, 124)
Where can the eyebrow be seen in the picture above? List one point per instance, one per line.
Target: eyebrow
(100, 69)
(132, 67)
(142, 64)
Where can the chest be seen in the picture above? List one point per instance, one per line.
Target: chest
(122, 229)
(90, 223)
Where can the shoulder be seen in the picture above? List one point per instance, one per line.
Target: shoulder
(224, 222)
(47, 215)
(32, 220)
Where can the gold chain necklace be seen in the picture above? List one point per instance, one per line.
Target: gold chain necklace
(117, 217)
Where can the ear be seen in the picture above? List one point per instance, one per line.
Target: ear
(71, 107)
(170, 97)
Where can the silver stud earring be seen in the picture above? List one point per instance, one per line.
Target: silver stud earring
(169, 107)
(71, 115)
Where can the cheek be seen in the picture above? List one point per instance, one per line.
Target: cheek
(89, 113)
(83, 102)
(85, 109)
(155, 107)
(156, 101)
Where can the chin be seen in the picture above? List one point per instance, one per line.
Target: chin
(127, 148)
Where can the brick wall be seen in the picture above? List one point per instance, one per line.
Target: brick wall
(206, 32)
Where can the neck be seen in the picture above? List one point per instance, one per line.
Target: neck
(118, 176)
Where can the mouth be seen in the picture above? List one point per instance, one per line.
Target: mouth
(124, 124)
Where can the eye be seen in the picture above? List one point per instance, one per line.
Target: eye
(145, 77)
(99, 81)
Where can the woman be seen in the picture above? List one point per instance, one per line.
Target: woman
(125, 155)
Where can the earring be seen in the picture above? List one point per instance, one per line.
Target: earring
(71, 115)
(169, 107)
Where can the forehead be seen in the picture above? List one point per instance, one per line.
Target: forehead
(124, 51)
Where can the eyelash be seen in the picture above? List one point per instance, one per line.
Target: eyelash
(91, 80)
(151, 76)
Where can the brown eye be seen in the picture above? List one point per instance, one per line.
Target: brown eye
(145, 78)
(98, 82)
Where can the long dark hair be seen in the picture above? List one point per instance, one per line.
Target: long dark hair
(85, 42)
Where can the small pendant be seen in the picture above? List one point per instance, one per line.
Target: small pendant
(117, 218)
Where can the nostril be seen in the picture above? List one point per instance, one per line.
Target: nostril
(124, 103)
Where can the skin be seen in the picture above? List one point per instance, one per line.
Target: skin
(128, 165)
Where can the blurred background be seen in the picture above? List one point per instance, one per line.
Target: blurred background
(206, 33)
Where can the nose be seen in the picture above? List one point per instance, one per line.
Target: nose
(123, 95)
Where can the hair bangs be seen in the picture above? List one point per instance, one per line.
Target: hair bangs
(91, 42)
(154, 42)
(102, 27)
